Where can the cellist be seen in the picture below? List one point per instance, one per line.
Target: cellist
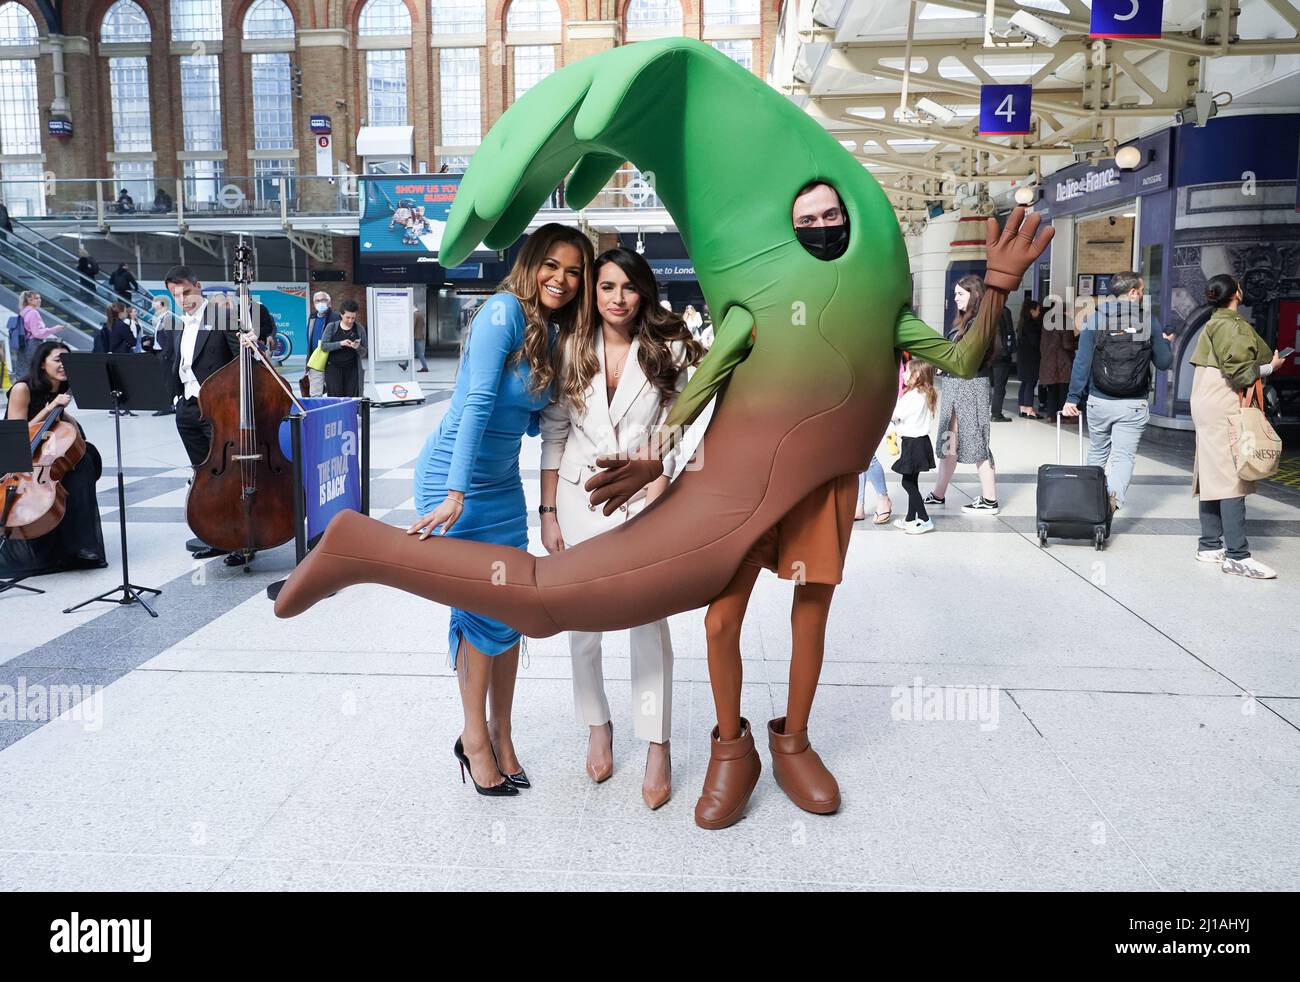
(78, 540)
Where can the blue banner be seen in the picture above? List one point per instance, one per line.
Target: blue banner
(1004, 109)
(1126, 18)
(331, 459)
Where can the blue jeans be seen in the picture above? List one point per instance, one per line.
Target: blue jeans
(875, 473)
(1116, 426)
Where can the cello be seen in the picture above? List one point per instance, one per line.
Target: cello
(35, 503)
(241, 499)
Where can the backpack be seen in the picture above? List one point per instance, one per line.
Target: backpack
(17, 345)
(1121, 360)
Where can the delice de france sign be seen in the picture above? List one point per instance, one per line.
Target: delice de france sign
(1075, 187)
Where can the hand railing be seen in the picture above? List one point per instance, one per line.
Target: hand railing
(217, 195)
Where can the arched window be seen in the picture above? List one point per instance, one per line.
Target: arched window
(386, 88)
(17, 25)
(533, 15)
(380, 17)
(731, 12)
(268, 19)
(458, 74)
(20, 116)
(196, 20)
(458, 16)
(125, 21)
(654, 17)
(741, 51)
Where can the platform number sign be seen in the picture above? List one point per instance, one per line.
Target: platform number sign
(1126, 18)
(1004, 109)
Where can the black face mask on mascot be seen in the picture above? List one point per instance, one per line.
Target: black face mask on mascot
(824, 241)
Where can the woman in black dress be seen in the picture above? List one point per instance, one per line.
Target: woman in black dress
(345, 340)
(78, 541)
(1029, 338)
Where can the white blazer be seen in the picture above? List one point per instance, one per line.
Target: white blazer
(572, 440)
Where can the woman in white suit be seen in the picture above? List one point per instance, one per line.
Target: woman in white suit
(615, 386)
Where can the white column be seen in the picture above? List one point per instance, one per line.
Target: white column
(60, 106)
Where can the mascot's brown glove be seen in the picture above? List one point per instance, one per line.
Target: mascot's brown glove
(621, 478)
(1014, 249)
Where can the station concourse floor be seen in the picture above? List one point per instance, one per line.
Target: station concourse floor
(1117, 720)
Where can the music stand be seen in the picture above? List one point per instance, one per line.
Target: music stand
(15, 458)
(117, 381)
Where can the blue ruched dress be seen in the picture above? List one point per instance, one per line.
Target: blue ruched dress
(476, 450)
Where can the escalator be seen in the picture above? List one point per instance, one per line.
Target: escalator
(29, 261)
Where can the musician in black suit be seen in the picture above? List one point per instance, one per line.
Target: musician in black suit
(205, 337)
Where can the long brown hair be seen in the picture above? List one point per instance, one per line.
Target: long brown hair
(573, 318)
(656, 328)
(920, 376)
(974, 285)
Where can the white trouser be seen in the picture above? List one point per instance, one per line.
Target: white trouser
(652, 680)
(315, 383)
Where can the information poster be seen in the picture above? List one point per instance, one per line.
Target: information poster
(392, 326)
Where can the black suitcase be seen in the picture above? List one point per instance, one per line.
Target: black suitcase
(1073, 502)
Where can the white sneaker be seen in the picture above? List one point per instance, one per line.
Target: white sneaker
(1212, 555)
(1249, 567)
(919, 527)
(901, 524)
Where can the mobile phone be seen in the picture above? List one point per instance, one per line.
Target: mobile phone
(1287, 352)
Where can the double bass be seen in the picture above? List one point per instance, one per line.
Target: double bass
(241, 499)
(35, 503)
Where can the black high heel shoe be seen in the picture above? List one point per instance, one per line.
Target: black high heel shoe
(519, 780)
(502, 790)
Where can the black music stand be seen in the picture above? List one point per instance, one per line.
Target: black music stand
(117, 381)
(15, 458)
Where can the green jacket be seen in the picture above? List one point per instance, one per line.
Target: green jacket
(1230, 344)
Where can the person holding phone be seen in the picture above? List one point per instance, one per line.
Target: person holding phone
(1230, 357)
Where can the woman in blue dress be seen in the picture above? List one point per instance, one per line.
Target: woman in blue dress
(467, 481)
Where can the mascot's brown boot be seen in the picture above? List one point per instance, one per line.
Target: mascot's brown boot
(800, 772)
(733, 772)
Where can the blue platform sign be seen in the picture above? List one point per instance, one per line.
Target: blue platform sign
(331, 459)
(1126, 18)
(1004, 109)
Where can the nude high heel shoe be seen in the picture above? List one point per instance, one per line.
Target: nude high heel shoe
(602, 774)
(656, 798)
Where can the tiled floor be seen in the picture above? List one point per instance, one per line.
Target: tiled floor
(1134, 716)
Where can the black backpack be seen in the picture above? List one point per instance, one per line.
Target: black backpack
(1121, 359)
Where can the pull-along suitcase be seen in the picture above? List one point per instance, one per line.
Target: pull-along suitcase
(1072, 501)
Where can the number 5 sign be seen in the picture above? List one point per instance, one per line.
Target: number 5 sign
(1126, 18)
(1004, 109)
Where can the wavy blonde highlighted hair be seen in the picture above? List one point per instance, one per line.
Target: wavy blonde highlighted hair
(573, 317)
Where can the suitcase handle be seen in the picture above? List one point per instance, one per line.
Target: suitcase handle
(1058, 439)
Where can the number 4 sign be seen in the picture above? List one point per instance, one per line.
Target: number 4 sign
(1126, 18)
(1004, 109)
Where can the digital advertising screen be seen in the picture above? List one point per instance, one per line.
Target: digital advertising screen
(401, 226)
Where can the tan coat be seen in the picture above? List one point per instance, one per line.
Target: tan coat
(1214, 474)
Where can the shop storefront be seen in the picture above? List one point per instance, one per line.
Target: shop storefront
(1203, 201)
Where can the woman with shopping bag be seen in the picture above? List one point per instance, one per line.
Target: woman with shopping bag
(1231, 359)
